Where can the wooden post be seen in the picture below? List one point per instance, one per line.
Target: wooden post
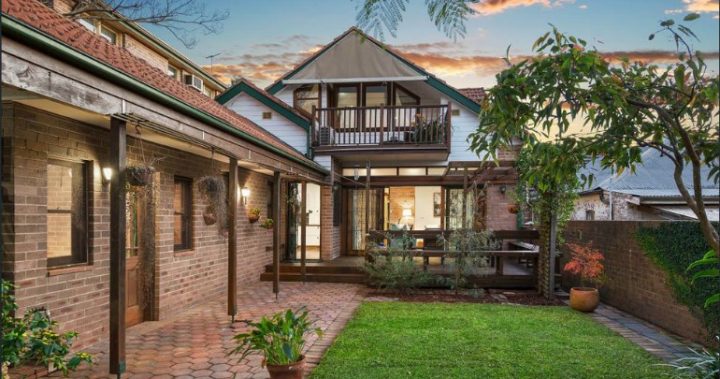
(551, 267)
(464, 197)
(232, 238)
(367, 198)
(118, 150)
(303, 230)
(276, 233)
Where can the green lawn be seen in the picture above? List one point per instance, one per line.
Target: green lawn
(437, 340)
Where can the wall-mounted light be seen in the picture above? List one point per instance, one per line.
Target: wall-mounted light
(407, 212)
(244, 195)
(107, 174)
(503, 189)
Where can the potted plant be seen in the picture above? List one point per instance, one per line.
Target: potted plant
(212, 188)
(33, 339)
(513, 208)
(586, 263)
(280, 339)
(267, 223)
(254, 215)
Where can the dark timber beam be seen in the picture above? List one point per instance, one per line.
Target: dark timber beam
(232, 238)
(303, 232)
(118, 150)
(276, 233)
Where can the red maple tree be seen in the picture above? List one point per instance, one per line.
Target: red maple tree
(586, 263)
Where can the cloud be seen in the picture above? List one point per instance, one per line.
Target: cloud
(674, 11)
(583, 6)
(708, 6)
(490, 7)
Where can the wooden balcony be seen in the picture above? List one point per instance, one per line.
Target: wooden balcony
(397, 128)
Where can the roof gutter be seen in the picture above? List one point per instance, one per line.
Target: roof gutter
(49, 45)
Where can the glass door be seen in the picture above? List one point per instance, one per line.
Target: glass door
(311, 220)
(365, 210)
(454, 208)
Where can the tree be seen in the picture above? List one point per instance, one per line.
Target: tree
(182, 18)
(626, 108)
(376, 16)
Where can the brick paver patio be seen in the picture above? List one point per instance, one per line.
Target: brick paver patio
(193, 344)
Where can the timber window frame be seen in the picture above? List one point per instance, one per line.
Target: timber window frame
(79, 173)
(182, 213)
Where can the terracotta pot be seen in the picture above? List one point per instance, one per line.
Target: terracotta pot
(291, 371)
(253, 218)
(584, 299)
(209, 216)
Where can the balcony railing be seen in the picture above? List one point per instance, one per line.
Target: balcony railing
(426, 125)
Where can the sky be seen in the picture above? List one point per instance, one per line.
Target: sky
(263, 39)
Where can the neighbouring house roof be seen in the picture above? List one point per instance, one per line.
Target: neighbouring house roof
(474, 94)
(653, 178)
(245, 86)
(685, 212)
(399, 67)
(40, 18)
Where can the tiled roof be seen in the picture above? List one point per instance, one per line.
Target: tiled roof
(266, 94)
(37, 15)
(474, 94)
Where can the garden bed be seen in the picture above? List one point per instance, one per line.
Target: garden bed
(465, 296)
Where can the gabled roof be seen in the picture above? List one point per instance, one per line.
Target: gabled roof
(432, 80)
(245, 86)
(651, 179)
(474, 94)
(41, 27)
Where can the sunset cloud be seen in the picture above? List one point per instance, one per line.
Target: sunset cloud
(490, 7)
(263, 69)
(703, 6)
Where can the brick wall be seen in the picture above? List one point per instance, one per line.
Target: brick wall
(634, 283)
(78, 296)
(329, 234)
(138, 49)
(496, 212)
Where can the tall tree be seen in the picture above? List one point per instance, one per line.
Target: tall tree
(184, 19)
(626, 108)
(377, 16)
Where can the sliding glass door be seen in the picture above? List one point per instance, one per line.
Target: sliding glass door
(365, 208)
(311, 219)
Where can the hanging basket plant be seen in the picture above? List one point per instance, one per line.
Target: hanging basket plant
(254, 215)
(268, 223)
(141, 175)
(513, 208)
(212, 189)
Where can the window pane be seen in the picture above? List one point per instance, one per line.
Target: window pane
(307, 96)
(375, 96)
(402, 97)
(436, 170)
(383, 172)
(412, 171)
(306, 105)
(347, 97)
(182, 213)
(66, 213)
(109, 35)
(88, 24)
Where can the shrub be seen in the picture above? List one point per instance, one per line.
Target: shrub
(467, 249)
(586, 263)
(673, 246)
(394, 267)
(33, 339)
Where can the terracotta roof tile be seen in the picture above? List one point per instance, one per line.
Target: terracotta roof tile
(474, 94)
(76, 36)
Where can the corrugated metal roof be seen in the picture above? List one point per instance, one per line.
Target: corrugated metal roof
(652, 178)
(683, 211)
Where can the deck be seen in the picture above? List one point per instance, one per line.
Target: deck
(348, 269)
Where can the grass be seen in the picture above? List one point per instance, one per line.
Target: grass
(436, 340)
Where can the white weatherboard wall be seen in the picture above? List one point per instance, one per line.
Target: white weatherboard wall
(462, 126)
(278, 125)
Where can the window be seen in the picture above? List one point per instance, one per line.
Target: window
(412, 171)
(67, 220)
(456, 112)
(173, 72)
(108, 34)
(589, 215)
(305, 97)
(182, 207)
(405, 97)
(375, 95)
(207, 91)
(88, 24)
(267, 115)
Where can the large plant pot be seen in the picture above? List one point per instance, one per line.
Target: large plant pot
(139, 176)
(253, 218)
(291, 371)
(584, 299)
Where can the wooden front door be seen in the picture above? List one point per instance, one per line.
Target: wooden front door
(135, 309)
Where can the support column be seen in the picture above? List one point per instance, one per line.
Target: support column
(232, 238)
(276, 233)
(118, 161)
(303, 231)
(464, 198)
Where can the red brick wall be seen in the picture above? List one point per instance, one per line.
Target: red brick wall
(329, 234)
(78, 297)
(497, 215)
(634, 283)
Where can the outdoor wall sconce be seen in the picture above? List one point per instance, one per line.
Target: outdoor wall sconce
(503, 189)
(244, 194)
(107, 174)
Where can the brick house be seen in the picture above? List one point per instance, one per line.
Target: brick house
(326, 155)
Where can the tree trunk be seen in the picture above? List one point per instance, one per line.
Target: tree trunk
(543, 265)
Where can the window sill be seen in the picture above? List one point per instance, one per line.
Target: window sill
(70, 269)
(184, 252)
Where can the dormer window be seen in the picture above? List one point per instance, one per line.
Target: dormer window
(88, 24)
(305, 97)
(194, 82)
(108, 34)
